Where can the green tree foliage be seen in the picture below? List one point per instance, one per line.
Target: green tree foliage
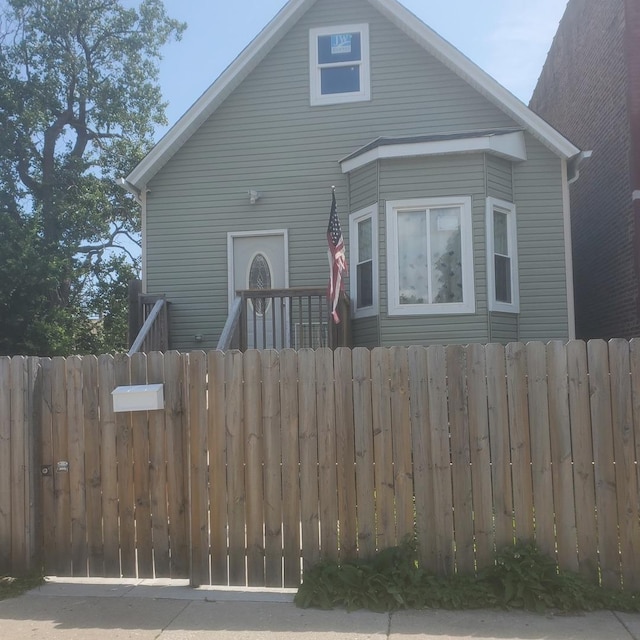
(79, 100)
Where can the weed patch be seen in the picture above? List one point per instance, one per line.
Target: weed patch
(14, 587)
(521, 578)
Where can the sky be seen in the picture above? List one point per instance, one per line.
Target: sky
(509, 39)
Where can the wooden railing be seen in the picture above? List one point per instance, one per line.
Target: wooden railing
(153, 335)
(295, 318)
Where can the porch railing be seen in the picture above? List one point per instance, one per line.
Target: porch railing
(153, 334)
(285, 318)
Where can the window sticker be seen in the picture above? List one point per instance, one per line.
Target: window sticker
(341, 43)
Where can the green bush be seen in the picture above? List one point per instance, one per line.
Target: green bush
(521, 578)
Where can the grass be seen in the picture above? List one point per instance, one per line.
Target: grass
(14, 587)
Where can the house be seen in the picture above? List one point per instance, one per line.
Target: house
(589, 90)
(452, 194)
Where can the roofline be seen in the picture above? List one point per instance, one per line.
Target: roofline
(509, 145)
(262, 44)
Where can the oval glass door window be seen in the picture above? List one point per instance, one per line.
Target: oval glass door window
(260, 278)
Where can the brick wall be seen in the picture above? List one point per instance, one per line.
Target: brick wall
(583, 92)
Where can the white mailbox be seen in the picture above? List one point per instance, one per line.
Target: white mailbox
(138, 397)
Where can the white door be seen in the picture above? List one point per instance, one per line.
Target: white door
(259, 261)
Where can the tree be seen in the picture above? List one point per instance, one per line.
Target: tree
(79, 99)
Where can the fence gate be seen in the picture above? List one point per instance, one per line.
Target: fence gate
(114, 485)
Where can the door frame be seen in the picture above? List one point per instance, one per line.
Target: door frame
(231, 235)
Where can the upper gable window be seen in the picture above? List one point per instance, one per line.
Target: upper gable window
(339, 59)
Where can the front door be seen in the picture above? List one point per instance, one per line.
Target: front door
(259, 261)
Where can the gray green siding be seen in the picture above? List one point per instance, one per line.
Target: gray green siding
(363, 187)
(499, 178)
(366, 332)
(537, 186)
(267, 137)
(503, 327)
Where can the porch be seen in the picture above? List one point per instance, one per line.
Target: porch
(295, 318)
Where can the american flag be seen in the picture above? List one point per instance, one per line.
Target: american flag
(337, 258)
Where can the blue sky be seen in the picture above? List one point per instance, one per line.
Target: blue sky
(509, 39)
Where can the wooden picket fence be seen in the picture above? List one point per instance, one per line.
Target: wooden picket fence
(265, 462)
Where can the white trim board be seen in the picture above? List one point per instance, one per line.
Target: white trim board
(511, 146)
(257, 50)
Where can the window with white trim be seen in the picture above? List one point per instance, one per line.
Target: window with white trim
(363, 262)
(430, 256)
(339, 64)
(502, 256)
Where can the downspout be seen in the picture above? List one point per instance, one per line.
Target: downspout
(568, 251)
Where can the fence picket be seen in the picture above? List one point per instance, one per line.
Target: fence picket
(92, 470)
(141, 479)
(327, 480)
(500, 450)
(539, 425)
(624, 453)
(217, 467)
(460, 459)
(561, 456)
(61, 468)
(520, 443)
(158, 474)
(440, 459)
(291, 458)
(422, 457)
(363, 436)
(19, 426)
(235, 469)
(47, 499)
(5, 466)
(126, 497)
(308, 438)
(199, 499)
(582, 449)
(108, 458)
(480, 455)
(76, 443)
(345, 443)
(176, 425)
(383, 448)
(634, 354)
(401, 438)
(272, 468)
(253, 469)
(605, 479)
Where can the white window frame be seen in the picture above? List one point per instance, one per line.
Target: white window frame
(512, 238)
(354, 220)
(468, 305)
(317, 98)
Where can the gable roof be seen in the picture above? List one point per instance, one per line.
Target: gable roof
(264, 42)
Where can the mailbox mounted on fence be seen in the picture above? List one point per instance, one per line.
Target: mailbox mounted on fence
(140, 397)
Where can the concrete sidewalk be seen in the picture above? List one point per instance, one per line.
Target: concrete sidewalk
(170, 610)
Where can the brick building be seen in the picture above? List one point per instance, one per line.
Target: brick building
(589, 90)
